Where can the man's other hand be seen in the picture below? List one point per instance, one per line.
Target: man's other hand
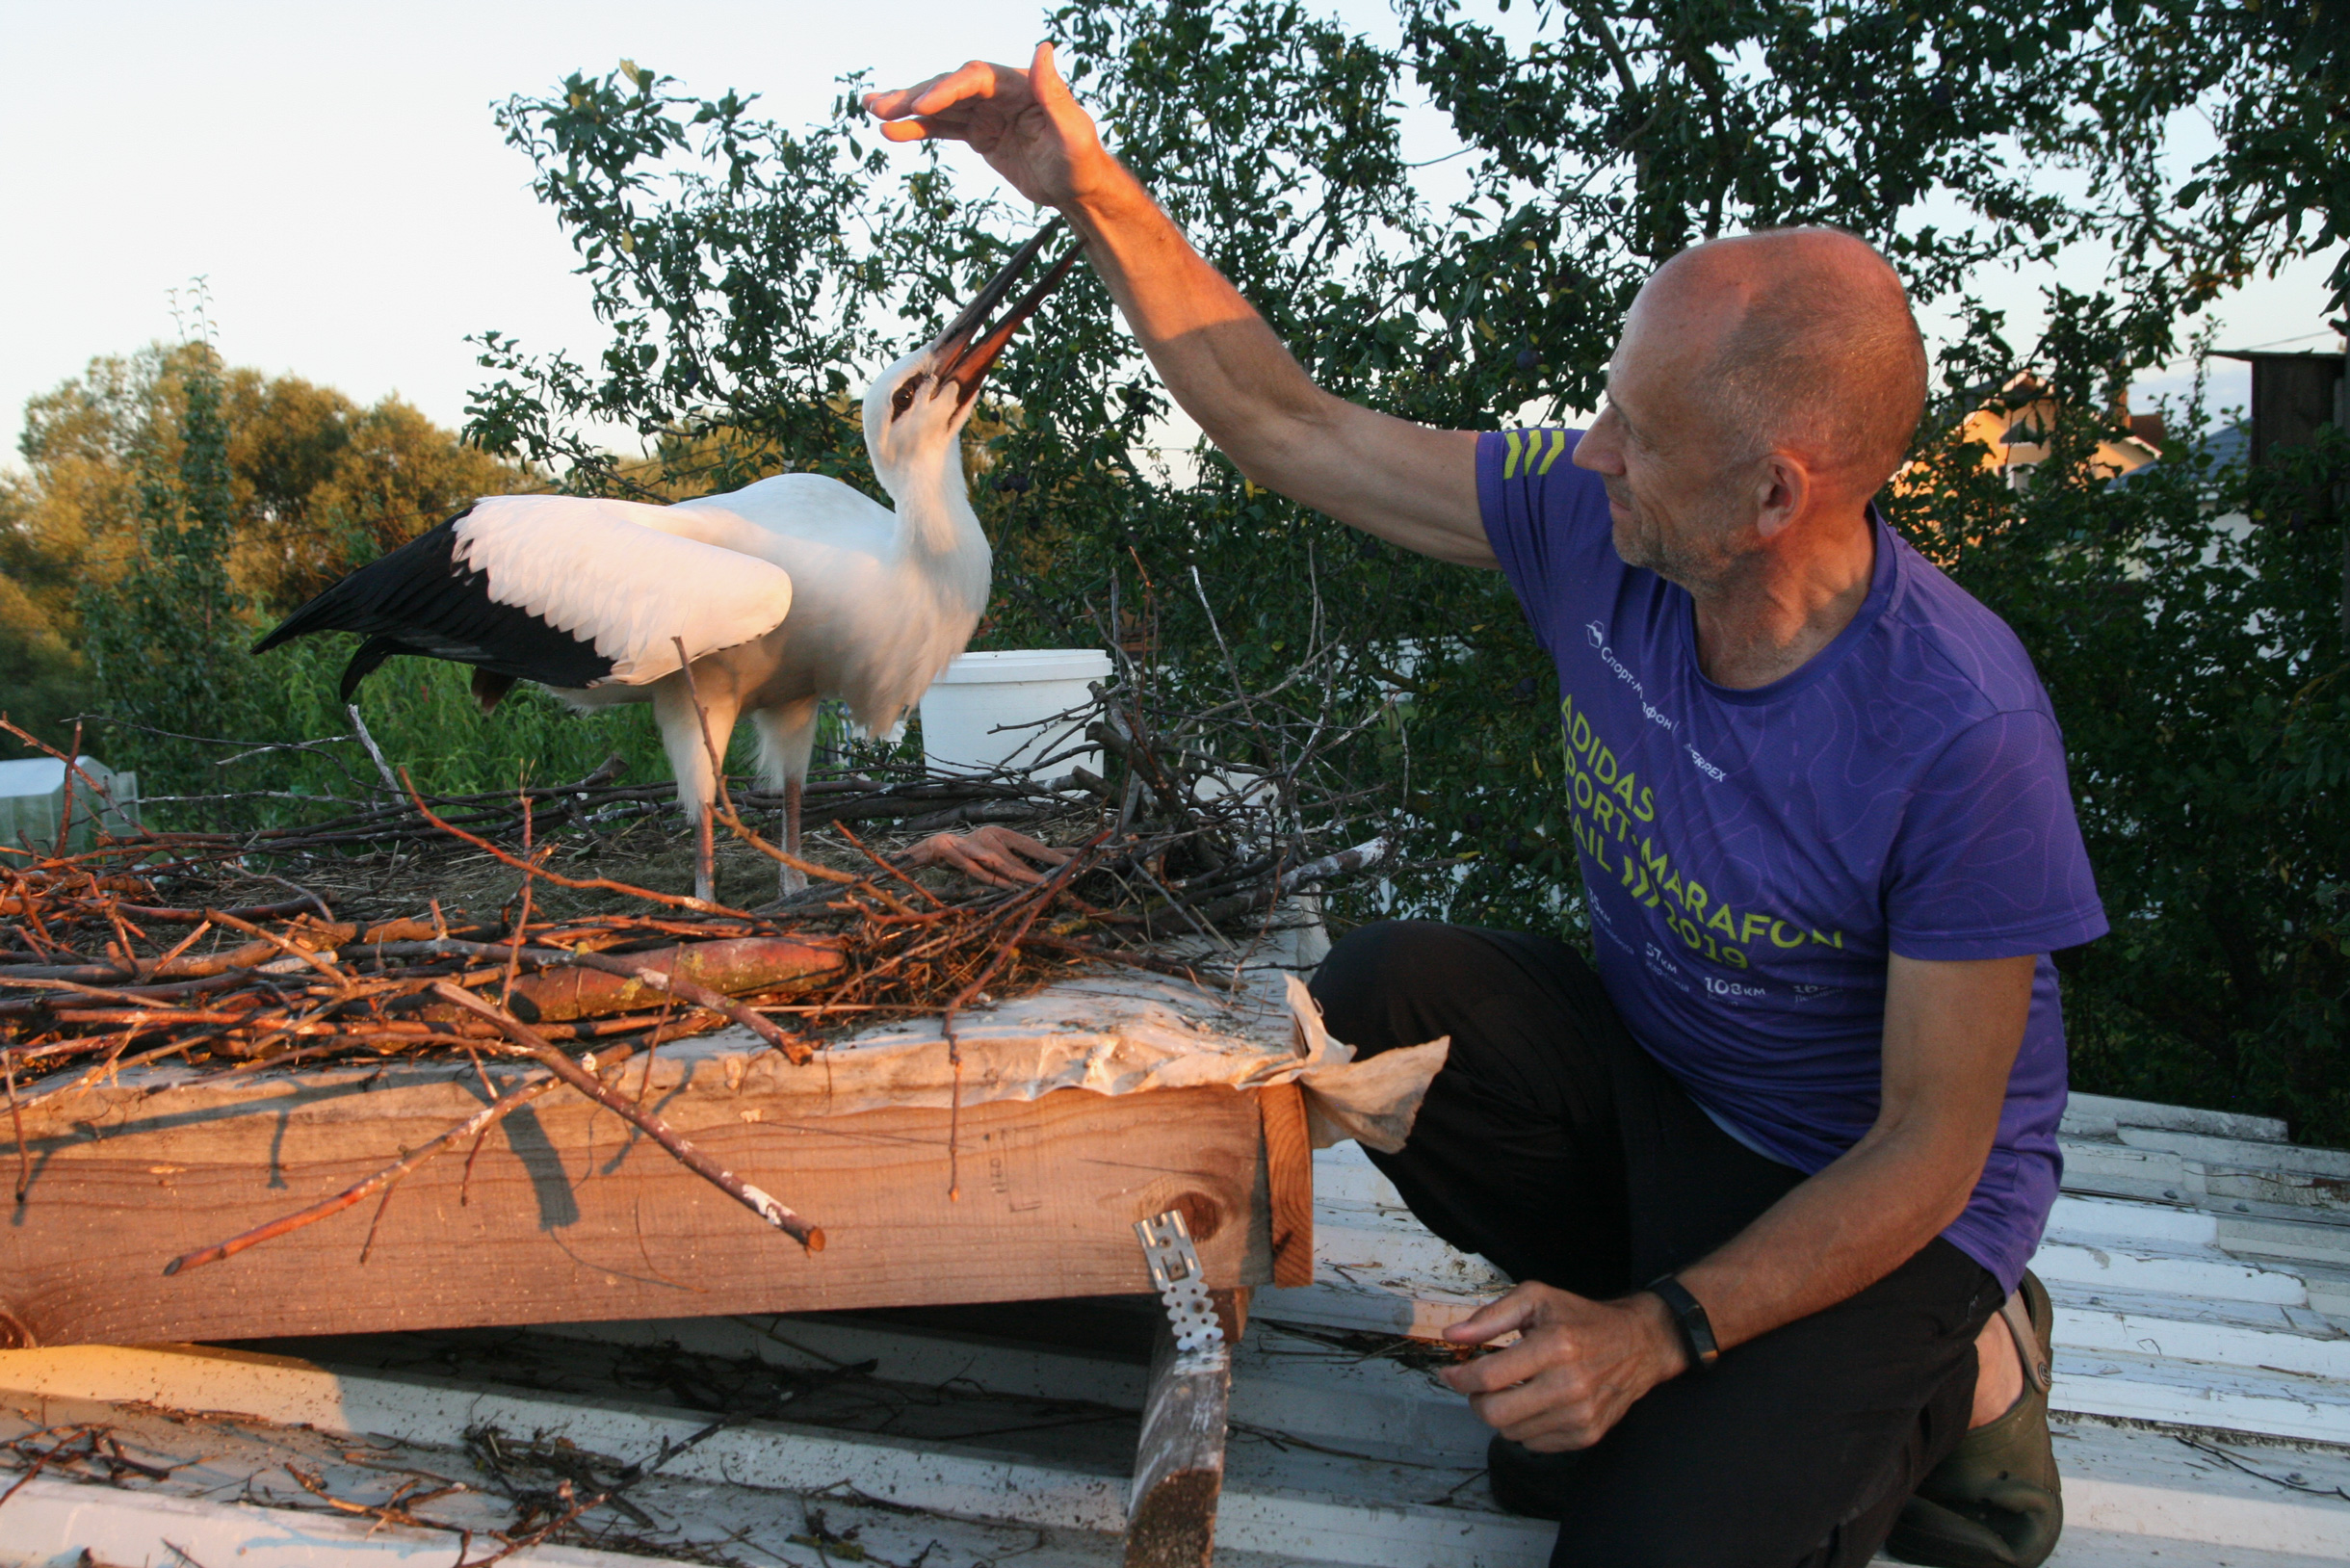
(1577, 1365)
(1026, 123)
(995, 855)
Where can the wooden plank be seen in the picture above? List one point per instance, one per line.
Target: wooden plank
(570, 1219)
(1231, 1313)
(1179, 1462)
(1289, 1163)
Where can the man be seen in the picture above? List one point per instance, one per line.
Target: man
(1768, 1175)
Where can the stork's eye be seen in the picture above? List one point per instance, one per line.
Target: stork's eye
(903, 397)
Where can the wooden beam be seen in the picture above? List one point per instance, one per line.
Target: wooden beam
(1289, 1163)
(1178, 1463)
(570, 1217)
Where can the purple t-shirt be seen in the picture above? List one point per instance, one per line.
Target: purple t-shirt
(1751, 857)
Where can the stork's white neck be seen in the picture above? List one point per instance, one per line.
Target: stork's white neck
(934, 514)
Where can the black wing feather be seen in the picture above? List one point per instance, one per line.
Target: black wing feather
(363, 664)
(421, 599)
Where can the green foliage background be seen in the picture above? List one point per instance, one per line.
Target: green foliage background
(2188, 625)
(751, 273)
(172, 508)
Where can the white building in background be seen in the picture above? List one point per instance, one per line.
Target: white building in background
(2015, 426)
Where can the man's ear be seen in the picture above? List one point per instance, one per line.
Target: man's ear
(1783, 488)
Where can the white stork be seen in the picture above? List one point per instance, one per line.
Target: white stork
(787, 591)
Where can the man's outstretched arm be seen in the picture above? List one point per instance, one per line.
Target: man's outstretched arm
(1407, 484)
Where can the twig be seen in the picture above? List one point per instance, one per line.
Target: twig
(758, 1202)
(256, 911)
(291, 950)
(480, 1121)
(375, 752)
(2286, 1481)
(1117, 955)
(40, 1461)
(367, 1247)
(306, 896)
(15, 1112)
(857, 844)
(1041, 901)
(203, 925)
(64, 821)
(73, 765)
(522, 923)
(115, 1060)
(586, 884)
(634, 1475)
(693, 991)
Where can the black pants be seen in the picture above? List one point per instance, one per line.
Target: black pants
(1557, 1148)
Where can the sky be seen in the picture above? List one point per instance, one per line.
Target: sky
(333, 171)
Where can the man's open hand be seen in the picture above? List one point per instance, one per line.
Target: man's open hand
(1577, 1368)
(1026, 123)
(995, 855)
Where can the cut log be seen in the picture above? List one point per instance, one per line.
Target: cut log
(732, 967)
(1178, 1464)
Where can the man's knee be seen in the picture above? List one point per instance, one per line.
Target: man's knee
(1401, 981)
(1379, 974)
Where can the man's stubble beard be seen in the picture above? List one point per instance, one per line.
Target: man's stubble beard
(1642, 542)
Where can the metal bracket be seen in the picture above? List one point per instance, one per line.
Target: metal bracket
(1183, 1286)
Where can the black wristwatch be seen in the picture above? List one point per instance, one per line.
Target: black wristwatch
(1689, 1316)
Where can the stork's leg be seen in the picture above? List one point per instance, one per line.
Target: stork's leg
(691, 750)
(793, 879)
(705, 856)
(787, 740)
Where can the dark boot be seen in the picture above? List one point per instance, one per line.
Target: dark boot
(1996, 1502)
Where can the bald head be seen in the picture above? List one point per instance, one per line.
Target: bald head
(1801, 340)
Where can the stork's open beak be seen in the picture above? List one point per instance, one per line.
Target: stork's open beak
(964, 352)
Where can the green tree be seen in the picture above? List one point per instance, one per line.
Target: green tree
(2273, 80)
(166, 637)
(171, 508)
(1597, 138)
(2187, 625)
(43, 674)
(317, 483)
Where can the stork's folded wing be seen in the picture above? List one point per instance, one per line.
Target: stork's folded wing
(608, 572)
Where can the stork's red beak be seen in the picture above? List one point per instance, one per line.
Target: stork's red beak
(964, 352)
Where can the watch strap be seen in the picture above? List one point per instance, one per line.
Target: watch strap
(1689, 1316)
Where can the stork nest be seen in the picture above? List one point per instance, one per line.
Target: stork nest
(537, 940)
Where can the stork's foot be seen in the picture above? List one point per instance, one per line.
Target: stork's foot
(992, 855)
(790, 879)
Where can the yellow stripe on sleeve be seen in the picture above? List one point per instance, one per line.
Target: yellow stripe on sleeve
(1559, 444)
(1509, 468)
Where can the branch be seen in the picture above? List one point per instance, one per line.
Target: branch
(480, 1121)
(375, 752)
(677, 985)
(653, 1127)
(589, 885)
(1596, 24)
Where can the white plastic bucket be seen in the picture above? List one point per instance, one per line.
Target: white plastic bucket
(33, 802)
(993, 710)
